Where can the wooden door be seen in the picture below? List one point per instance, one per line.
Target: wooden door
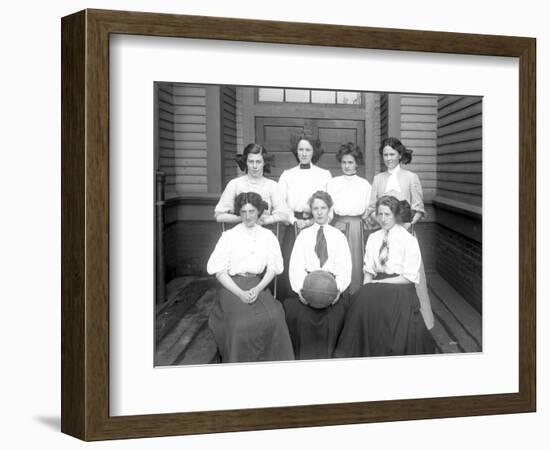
(275, 133)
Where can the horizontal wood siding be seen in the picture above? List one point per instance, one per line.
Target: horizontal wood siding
(459, 141)
(165, 134)
(419, 133)
(384, 116)
(229, 132)
(182, 138)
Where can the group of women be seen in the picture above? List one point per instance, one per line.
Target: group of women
(381, 307)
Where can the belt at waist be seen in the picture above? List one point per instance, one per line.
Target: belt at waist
(301, 215)
(382, 276)
(246, 274)
(339, 217)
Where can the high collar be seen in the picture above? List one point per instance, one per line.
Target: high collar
(395, 170)
(316, 226)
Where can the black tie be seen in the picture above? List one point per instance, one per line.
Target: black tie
(305, 166)
(384, 250)
(321, 247)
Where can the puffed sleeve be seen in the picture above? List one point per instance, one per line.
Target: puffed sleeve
(368, 193)
(343, 263)
(283, 190)
(297, 266)
(280, 208)
(328, 177)
(220, 258)
(412, 259)
(274, 256)
(368, 261)
(417, 197)
(374, 192)
(226, 204)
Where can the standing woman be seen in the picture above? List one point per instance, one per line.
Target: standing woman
(297, 185)
(247, 322)
(384, 318)
(351, 194)
(254, 162)
(405, 186)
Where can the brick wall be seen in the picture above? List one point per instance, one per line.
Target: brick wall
(426, 235)
(459, 261)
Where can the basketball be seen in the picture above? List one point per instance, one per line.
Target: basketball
(319, 289)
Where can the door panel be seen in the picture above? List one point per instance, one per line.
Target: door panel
(275, 134)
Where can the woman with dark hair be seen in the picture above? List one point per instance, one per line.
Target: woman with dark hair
(297, 185)
(320, 247)
(254, 161)
(405, 186)
(351, 194)
(398, 182)
(247, 322)
(384, 318)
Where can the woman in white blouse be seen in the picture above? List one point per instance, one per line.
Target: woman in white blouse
(384, 317)
(247, 322)
(297, 185)
(351, 194)
(319, 247)
(405, 186)
(254, 161)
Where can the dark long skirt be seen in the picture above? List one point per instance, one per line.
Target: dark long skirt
(284, 289)
(250, 332)
(384, 320)
(354, 226)
(314, 332)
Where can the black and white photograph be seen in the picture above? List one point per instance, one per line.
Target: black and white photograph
(307, 224)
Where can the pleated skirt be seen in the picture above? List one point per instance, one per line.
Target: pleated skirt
(354, 226)
(250, 332)
(384, 320)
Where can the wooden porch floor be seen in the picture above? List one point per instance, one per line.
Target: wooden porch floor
(183, 337)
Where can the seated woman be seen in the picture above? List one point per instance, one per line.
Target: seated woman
(254, 162)
(384, 317)
(247, 322)
(319, 247)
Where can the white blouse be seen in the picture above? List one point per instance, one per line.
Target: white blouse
(393, 183)
(297, 185)
(244, 250)
(403, 254)
(350, 195)
(268, 189)
(304, 259)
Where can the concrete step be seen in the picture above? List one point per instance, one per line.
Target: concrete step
(457, 324)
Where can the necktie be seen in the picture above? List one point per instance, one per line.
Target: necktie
(321, 247)
(384, 250)
(305, 166)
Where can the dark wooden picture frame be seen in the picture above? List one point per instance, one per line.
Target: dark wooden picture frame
(85, 224)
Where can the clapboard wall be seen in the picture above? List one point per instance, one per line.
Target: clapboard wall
(419, 133)
(459, 142)
(165, 133)
(182, 138)
(229, 134)
(459, 197)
